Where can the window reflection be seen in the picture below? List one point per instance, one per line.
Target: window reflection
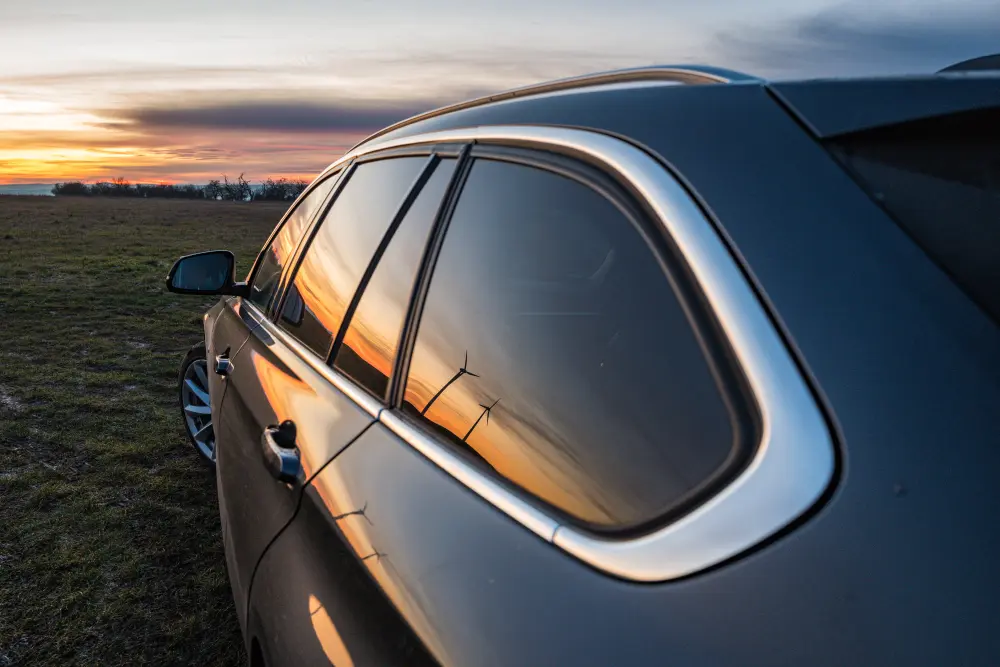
(339, 253)
(265, 281)
(553, 349)
(370, 342)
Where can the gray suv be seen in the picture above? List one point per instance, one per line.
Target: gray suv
(659, 366)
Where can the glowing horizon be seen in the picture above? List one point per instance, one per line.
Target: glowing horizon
(201, 91)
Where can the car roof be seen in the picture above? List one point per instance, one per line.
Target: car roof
(827, 107)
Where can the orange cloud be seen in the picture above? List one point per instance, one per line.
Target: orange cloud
(174, 156)
(174, 142)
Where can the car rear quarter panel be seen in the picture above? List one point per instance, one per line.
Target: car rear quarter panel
(898, 566)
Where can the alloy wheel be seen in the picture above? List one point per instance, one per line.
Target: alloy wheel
(198, 407)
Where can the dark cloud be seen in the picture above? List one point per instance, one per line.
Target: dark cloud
(269, 116)
(861, 40)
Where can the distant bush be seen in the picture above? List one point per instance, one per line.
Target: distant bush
(241, 189)
(101, 189)
(71, 189)
(170, 191)
(279, 190)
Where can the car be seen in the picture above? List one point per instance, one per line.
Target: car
(671, 365)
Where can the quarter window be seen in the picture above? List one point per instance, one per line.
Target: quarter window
(342, 248)
(553, 351)
(265, 280)
(370, 342)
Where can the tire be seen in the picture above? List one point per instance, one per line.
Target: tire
(192, 392)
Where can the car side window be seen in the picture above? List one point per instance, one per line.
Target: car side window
(553, 351)
(342, 248)
(370, 342)
(265, 279)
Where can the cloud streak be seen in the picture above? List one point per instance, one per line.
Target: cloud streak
(269, 116)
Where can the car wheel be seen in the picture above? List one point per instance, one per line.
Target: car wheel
(196, 407)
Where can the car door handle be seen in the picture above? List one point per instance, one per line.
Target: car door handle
(223, 366)
(281, 458)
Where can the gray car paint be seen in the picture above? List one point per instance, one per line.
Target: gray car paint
(897, 568)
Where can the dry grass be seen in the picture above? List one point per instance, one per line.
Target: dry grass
(110, 551)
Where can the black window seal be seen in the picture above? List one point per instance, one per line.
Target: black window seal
(418, 294)
(397, 219)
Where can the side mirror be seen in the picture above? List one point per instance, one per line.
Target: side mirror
(211, 272)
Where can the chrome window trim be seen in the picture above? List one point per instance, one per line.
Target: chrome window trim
(794, 461)
(364, 400)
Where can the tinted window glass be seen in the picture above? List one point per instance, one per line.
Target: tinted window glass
(369, 347)
(339, 253)
(265, 280)
(940, 179)
(553, 350)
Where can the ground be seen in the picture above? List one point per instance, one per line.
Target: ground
(110, 549)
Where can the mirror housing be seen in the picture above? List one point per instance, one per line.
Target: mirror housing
(210, 272)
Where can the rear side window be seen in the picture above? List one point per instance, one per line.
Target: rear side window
(265, 279)
(342, 248)
(940, 179)
(370, 342)
(553, 351)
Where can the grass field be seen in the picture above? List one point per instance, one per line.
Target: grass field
(110, 551)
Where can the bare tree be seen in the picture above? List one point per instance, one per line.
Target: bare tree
(228, 189)
(239, 190)
(274, 190)
(213, 190)
(244, 189)
(121, 186)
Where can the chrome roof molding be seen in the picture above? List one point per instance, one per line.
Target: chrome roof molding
(686, 74)
(794, 462)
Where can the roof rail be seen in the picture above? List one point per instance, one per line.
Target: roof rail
(686, 74)
(982, 63)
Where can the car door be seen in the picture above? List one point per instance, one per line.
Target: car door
(311, 602)
(279, 381)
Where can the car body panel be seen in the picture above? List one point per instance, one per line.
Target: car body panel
(269, 384)
(907, 366)
(314, 603)
(898, 565)
(481, 590)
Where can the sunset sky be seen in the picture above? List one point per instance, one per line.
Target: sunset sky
(184, 91)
